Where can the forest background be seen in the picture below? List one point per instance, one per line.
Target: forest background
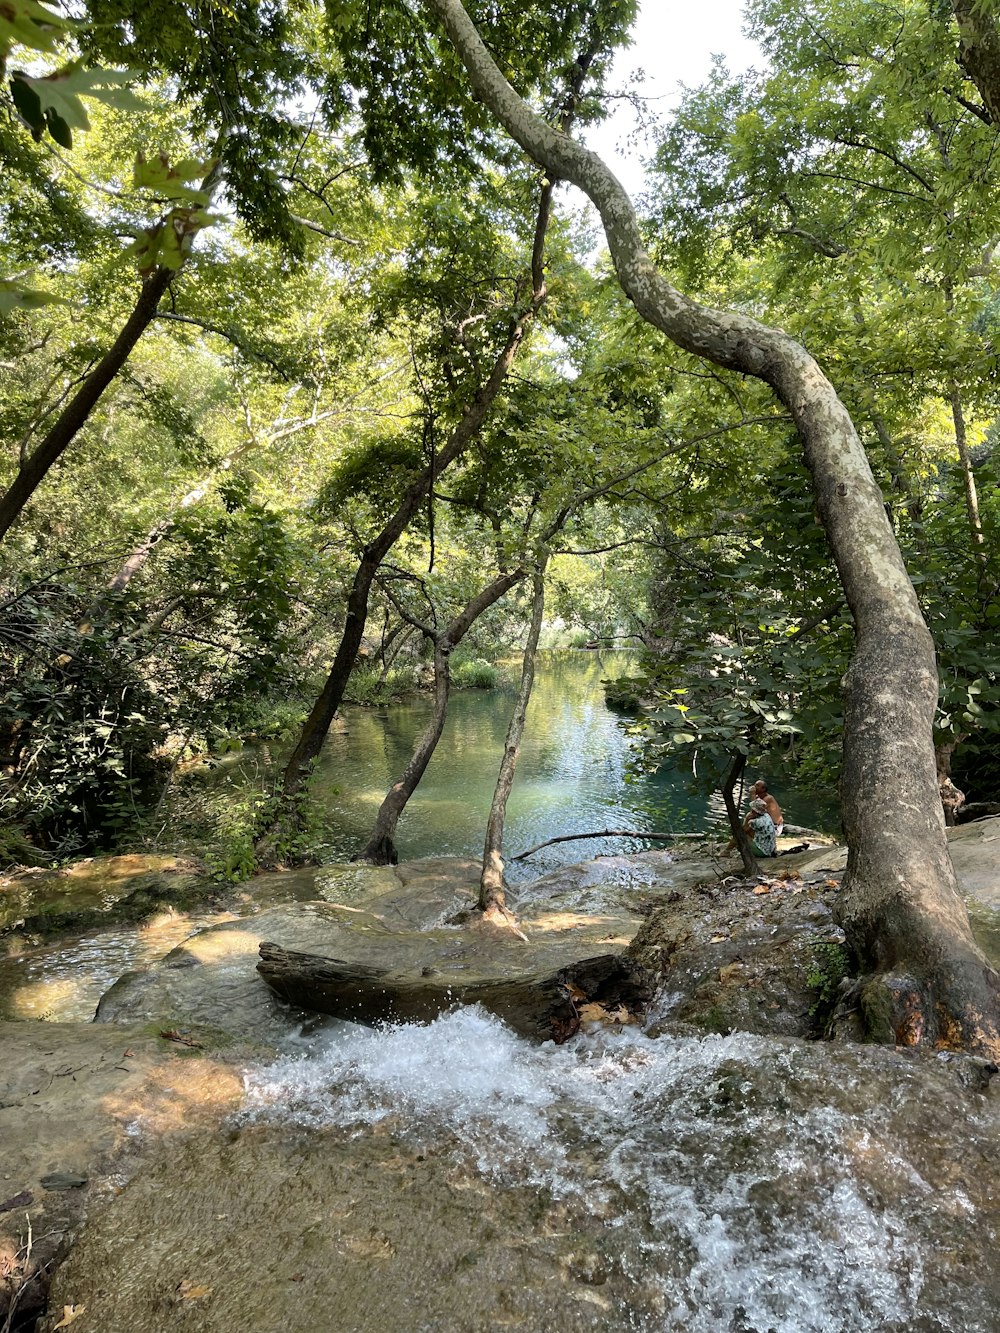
(287, 320)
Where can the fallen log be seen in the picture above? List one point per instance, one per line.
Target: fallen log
(540, 1005)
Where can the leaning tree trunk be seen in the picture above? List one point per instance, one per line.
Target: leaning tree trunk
(900, 903)
(380, 850)
(74, 415)
(735, 823)
(317, 724)
(286, 817)
(491, 883)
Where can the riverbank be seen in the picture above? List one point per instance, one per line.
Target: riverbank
(99, 1121)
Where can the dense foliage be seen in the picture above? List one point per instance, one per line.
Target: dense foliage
(343, 243)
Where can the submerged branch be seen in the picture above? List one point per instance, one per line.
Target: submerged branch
(608, 833)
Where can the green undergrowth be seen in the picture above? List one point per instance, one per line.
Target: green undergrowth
(831, 964)
(475, 674)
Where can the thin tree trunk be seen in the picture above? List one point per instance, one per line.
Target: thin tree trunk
(491, 884)
(900, 903)
(968, 480)
(902, 482)
(74, 415)
(380, 850)
(392, 645)
(735, 823)
(317, 724)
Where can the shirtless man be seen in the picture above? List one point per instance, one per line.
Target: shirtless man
(761, 793)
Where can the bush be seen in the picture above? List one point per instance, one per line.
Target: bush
(476, 674)
(367, 687)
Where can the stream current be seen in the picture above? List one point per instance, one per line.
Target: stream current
(454, 1178)
(734, 1184)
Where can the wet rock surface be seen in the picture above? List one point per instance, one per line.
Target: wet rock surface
(731, 954)
(452, 1177)
(71, 1099)
(748, 956)
(453, 1174)
(37, 904)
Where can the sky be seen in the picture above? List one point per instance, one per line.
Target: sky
(674, 42)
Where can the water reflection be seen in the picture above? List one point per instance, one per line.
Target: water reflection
(572, 778)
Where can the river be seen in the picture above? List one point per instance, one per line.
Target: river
(574, 774)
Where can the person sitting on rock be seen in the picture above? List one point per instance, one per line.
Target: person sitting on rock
(760, 828)
(761, 793)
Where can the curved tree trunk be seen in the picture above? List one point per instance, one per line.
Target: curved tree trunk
(900, 905)
(735, 823)
(380, 850)
(286, 817)
(74, 415)
(491, 883)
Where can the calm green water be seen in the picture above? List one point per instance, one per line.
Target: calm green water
(572, 776)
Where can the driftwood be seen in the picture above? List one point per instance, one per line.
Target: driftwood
(609, 833)
(540, 1005)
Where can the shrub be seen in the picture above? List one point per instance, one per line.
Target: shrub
(476, 674)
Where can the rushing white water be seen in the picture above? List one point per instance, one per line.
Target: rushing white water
(746, 1184)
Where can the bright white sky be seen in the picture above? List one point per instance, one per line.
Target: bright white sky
(673, 42)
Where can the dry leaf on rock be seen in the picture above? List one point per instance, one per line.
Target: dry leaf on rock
(193, 1291)
(762, 888)
(70, 1312)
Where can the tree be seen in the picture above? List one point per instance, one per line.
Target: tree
(529, 297)
(979, 53)
(900, 903)
(380, 848)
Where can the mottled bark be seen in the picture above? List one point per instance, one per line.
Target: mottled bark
(979, 51)
(491, 883)
(380, 849)
(74, 415)
(900, 905)
(735, 823)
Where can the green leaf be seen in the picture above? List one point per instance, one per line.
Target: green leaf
(15, 296)
(58, 128)
(29, 104)
(168, 181)
(60, 94)
(26, 23)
